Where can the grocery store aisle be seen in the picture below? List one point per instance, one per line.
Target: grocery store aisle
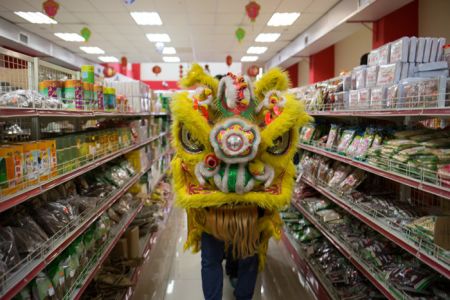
(171, 273)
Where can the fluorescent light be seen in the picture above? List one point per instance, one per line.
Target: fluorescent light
(108, 59)
(92, 50)
(256, 50)
(282, 19)
(171, 59)
(170, 287)
(158, 37)
(35, 17)
(70, 37)
(169, 51)
(146, 18)
(249, 58)
(267, 37)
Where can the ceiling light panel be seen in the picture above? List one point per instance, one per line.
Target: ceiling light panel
(256, 50)
(171, 59)
(249, 58)
(169, 51)
(267, 37)
(70, 37)
(158, 37)
(283, 19)
(108, 59)
(35, 17)
(92, 50)
(146, 18)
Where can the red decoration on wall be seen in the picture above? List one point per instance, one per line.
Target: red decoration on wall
(156, 70)
(50, 8)
(252, 71)
(229, 60)
(109, 71)
(252, 10)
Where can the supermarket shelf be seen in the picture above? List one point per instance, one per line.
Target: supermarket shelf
(104, 253)
(390, 233)
(159, 114)
(426, 112)
(316, 283)
(16, 282)
(349, 254)
(57, 113)
(415, 183)
(34, 191)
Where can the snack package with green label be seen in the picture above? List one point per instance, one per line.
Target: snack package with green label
(55, 273)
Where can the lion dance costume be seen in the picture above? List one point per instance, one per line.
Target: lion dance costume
(233, 166)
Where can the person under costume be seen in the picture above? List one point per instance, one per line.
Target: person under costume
(233, 168)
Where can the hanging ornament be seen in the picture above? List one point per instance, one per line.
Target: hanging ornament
(86, 33)
(50, 8)
(252, 10)
(252, 71)
(128, 2)
(109, 71)
(123, 61)
(156, 70)
(207, 68)
(181, 71)
(229, 60)
(240, 34)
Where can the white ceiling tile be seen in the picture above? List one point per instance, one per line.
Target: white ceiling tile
(294, 5)
(77, 5)
(320, 6)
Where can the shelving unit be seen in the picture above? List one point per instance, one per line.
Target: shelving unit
(28, 72)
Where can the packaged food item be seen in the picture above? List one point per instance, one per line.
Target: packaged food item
(405, 71)
(340, 173)
(364, 144)
(440, 50)
(360, 77)
(307, 133)
(32, 165)
(374, 58)
(427, 49)
(345, 140)
(400, 50)
(56, 275)
(392, 96)
(437, 143)
(352, 181)
(98, 94)
(9, 255)
(377, 97)
(405, 134)
(87, 73)
(384, 53)
(363, 99)
(353, 99)
(428, 91)
(328, 215)
(371, 76)
(73, 94)
(444, 172)
(412, 49)
(353, 146)
(42, 288)
(333, 136)
(50, 88)
(389, 74)
(409, 93)
(309, 234)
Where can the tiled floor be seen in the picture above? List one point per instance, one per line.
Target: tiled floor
(171, 273)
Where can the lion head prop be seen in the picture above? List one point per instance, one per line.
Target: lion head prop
(233, 166)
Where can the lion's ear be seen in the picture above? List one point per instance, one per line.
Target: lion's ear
(197, 76)
(272, 80)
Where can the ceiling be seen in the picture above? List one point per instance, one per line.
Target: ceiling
(200, 30)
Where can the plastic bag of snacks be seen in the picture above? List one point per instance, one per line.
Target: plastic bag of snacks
(307, 133)
(333, 136)
(42, 288)
(345, 140)
(352, 181)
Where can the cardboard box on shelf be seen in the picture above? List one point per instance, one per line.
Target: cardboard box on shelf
(442, 232)
(120, 250)
(132, 236)
(7, 173)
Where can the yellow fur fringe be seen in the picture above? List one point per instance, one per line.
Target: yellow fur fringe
(274, 79)
(197, 76)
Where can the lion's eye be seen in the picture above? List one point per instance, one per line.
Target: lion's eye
(281, 144)
(190, 143)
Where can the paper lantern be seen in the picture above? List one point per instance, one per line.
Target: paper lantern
(86, 33)
(50, 8)
(240, 34)
(109, 71)
(252, 71)
(252, 10)
(123, 61)
(156, 70)
(229, 60)
(181, 71)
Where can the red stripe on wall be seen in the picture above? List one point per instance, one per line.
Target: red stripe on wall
(293, 74)
(321, 65)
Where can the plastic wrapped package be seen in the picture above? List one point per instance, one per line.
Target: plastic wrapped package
(373, 58)
(400, 50)
(81, 204)
(411, 279)
(340, 100)
(350, 151)
(53, 217)
(9, 255)
(378, 97)
(352, 181)
(42, 288)
(353, 100)
(328, 215)
(333, 137)
(309, 234)
(360, 77)
(126, 165)
(437, 143)
(340, 173)
(307, 133)
(324, 170)
(26, 98)
(364, 144)
(345, 140)
(116, 176)
(428, 91)
(384, 54)
(363, 99)
(55, 273)
(371, 76)
(412, 49)
(392, 95)
(420, 50)
(389, 74)
(427, 50)
(409, 93)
